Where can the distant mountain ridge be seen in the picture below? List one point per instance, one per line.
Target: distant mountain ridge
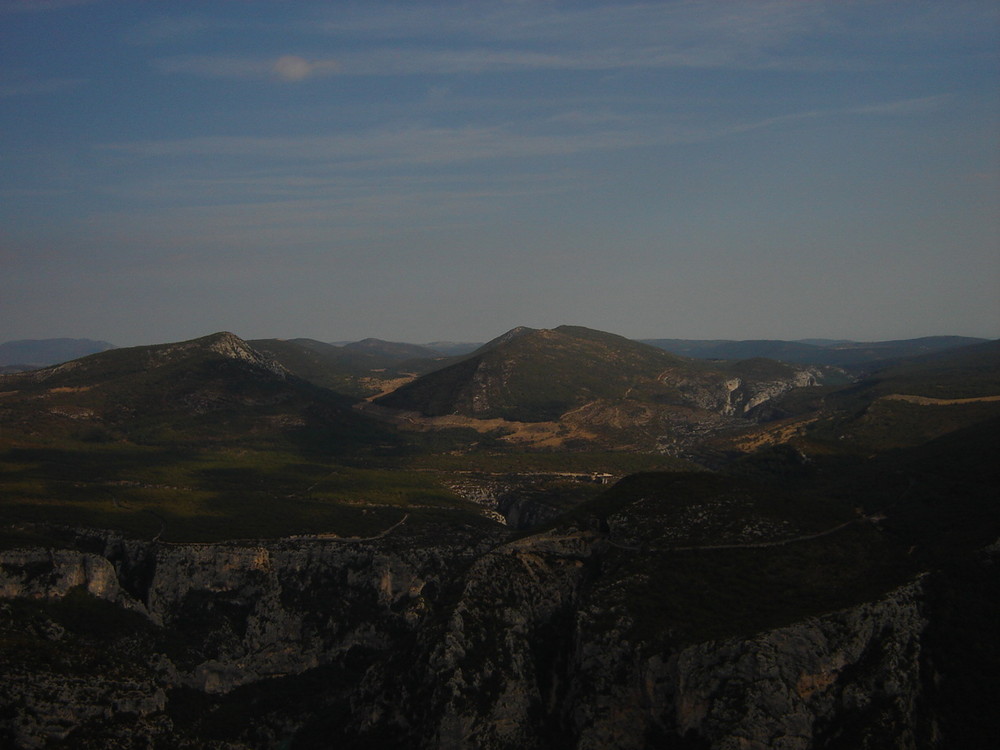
(31, 353)
(856, 356)
(393, 350)
(437, 348)
(838, 353)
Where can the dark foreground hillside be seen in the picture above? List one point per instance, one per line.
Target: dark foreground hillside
(674, 610)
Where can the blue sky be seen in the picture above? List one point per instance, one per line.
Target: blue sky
(419, 171)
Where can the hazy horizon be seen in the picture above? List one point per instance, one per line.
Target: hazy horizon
(436, 171)
(477, 342)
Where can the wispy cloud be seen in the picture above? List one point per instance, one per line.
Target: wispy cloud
(904, 107)
(284, 191)
(445, 39)
(562, 133)
(901, 107)
(295, 68)
(415, 145)
(289, 68)
(754, 23)
(540, 35)
(280, 210)
(392, 61)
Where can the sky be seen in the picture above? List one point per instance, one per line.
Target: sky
(424, 171)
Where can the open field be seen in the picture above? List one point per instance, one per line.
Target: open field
(206, 495)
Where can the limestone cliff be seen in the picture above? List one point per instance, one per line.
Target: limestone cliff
(412, 641)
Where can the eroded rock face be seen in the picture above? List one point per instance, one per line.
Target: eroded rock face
(505, 658)
(217, 618)
(469, 644)
(53, 573)
(854, 672)
(532, 668)
(737, 396)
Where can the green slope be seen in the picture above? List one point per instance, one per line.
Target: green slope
(915, 401)
(200, 440)
(534, 376)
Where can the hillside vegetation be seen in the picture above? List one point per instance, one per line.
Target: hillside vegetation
(216, 436)
(536, 376)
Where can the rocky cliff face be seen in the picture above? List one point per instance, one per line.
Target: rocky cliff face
(530, 661)
(208, 619)
(736, 395)
(852, 676)
(408, 640)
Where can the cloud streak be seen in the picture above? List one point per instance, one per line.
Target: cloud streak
(285, 68)
(567, 133)
(295, 68)
(387, 148)
(390, 61)
(539, 37)
(441, 39)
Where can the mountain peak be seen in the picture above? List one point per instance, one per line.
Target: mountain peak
(231, 346)
(225, 343)
(503, 338)
(533, 375)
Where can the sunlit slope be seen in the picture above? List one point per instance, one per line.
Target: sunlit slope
(200, 440)
(538, 375)
(215, 388)
(533, 377)
(915, 401)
